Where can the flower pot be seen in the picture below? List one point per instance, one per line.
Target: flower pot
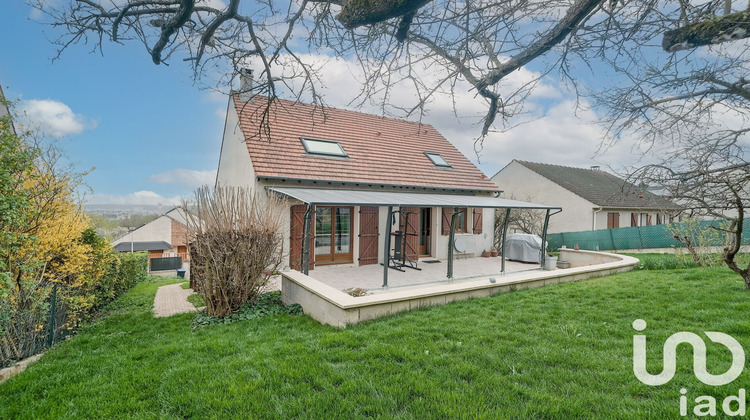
(493, 253)
(486, 254)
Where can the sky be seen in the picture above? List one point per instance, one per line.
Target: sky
(152, 136)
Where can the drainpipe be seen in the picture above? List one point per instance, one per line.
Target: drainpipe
(593, 221)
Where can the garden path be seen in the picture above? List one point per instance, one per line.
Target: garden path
(172, 300)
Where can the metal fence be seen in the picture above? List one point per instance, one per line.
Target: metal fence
(30, 332)
(641, 237)
(166, 263)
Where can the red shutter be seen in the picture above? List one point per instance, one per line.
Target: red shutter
(477, 228)
(633, 219)
(368, 235)
(296, 232)
(410, 226)
(446, 226)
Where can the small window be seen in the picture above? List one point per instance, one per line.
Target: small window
(323, 147)
(438, 160)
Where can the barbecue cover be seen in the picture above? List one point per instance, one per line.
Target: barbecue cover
(523, 247)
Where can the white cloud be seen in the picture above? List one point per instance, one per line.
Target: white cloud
(136, 198)
(186, 177)
(553, 133)
(53, 118)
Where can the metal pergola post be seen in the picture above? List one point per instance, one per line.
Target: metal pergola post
(544, 237)
(451, 238)
(506, 222)
(306, 240)
(387, 247)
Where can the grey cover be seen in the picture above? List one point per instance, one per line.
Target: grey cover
(523, 247)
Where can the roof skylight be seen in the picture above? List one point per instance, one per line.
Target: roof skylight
(438, 160)
(323, 147)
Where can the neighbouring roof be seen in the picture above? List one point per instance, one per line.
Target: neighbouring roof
(322, 197)
(601, 188)
(379, 151)
(142, 246)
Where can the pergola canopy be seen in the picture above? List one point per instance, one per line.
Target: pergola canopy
(332, 197)
(326, 197)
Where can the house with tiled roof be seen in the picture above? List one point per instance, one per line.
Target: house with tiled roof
(590, 198)
(359, 180)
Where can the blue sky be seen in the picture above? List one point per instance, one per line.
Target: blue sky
(138, 120)
(154, 137)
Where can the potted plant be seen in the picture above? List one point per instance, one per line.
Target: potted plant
(493, 252)
(486, 254)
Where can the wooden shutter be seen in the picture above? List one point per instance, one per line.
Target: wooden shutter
(649, 220)
(368, 235)
(658, 219)
(409, 226)
(613, 220)
(446, 226)
(633, 219)
(477, 226)
(296, 232)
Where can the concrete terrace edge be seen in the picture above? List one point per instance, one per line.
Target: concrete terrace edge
(331, 306)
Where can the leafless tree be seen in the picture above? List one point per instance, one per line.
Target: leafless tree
(710, 179)
(477, 43)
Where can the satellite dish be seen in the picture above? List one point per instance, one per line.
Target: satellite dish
(460, 245)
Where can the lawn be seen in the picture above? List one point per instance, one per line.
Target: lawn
(562, 351)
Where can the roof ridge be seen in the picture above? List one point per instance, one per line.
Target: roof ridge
(335, 108)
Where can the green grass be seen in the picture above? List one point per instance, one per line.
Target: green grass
(562, 351)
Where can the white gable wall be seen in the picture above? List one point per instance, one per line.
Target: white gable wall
(524, 184)
(158, 230)
(235, 165)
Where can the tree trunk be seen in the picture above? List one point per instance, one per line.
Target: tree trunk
(357, 13)
(708, 32)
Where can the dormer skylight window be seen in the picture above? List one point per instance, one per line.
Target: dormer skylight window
(438, 160)
(323, 147)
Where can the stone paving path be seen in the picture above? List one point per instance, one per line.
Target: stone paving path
(172, 300)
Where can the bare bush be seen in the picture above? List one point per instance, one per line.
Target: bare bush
(700, 240)
(237, 244)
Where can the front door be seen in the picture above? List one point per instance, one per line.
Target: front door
(425, 220)
(333, 235)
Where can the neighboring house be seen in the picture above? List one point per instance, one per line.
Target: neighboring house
(164, 237)
(591, 199)
(365, 163)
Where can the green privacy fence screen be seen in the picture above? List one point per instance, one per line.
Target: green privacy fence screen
(641, 237)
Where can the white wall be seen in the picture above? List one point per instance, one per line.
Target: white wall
(158, 230)
(235, 165)
(526, 185)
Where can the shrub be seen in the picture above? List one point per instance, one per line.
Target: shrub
(664, 262)
(268, 303)
(133, 270)
(698, 238)
(237, 243)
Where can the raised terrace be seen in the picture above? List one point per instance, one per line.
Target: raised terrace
(322, 297)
